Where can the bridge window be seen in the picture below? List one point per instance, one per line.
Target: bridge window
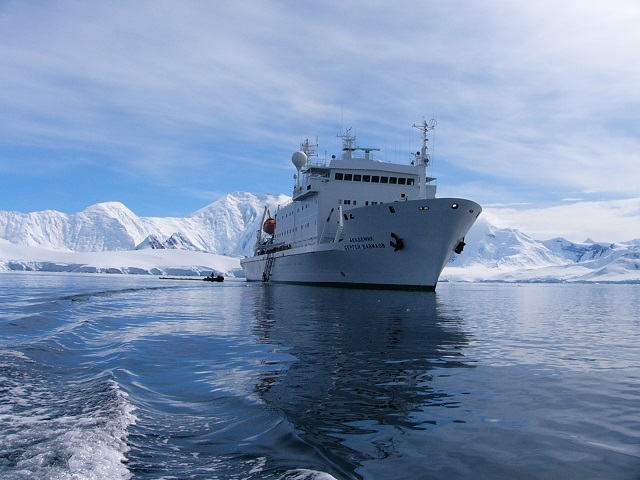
(357, 178)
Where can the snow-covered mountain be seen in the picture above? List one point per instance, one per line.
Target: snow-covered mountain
(506, 254)
(177, 241)
(503, 248)
(54, 241)
(225, 227)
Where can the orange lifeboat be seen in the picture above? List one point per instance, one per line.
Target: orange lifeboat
(269, 226)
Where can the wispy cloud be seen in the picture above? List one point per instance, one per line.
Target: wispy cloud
(536, 101)
(604, 221)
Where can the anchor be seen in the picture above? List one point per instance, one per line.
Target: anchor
(460, 247)
(398, 244)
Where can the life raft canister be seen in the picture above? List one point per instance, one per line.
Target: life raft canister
(269, 226)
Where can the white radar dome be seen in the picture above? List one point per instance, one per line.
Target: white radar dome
(299, 159)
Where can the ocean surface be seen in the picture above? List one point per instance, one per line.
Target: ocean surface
(111, 376)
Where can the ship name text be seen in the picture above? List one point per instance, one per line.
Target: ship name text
(363, 243)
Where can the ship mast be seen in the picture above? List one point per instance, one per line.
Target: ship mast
(309, 149)
(422, 157)
(348, 142)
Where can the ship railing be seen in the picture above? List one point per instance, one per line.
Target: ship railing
(285, 204)
(318, 163)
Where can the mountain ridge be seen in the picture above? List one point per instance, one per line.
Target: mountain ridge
(220, 227)
(507, 254)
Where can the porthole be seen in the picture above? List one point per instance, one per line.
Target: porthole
(454, 206)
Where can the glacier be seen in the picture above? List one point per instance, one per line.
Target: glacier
(109, 238)
(509, 255)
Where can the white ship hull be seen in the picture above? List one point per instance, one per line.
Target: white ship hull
(429, 231)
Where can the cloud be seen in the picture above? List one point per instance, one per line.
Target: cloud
(536, 102)
(604, 221)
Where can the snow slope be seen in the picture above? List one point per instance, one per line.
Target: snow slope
(152, 262)
(508, 255)
(222, 227)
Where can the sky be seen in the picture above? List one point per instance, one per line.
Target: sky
(166, 106)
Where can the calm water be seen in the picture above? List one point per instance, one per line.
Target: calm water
(128, 376)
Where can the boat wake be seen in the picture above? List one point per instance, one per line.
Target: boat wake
(56, 429)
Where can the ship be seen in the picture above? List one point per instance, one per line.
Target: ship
(357, 221)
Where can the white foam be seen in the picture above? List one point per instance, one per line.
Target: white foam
(48, 433)
(306, 474)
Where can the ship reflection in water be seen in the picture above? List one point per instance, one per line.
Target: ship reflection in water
(360, 365)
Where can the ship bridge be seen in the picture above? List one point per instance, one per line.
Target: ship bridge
(368, 178)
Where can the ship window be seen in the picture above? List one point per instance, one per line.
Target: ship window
(339, 176)
(357, 178)
(347, 202)
(454, 206)
(354, 202)
(366, 178)
(384, 179)
(347, 176)
(425, 207)
(375, 178)
(402, 181)
(393, 180)
(339, 202)
(410, 181)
